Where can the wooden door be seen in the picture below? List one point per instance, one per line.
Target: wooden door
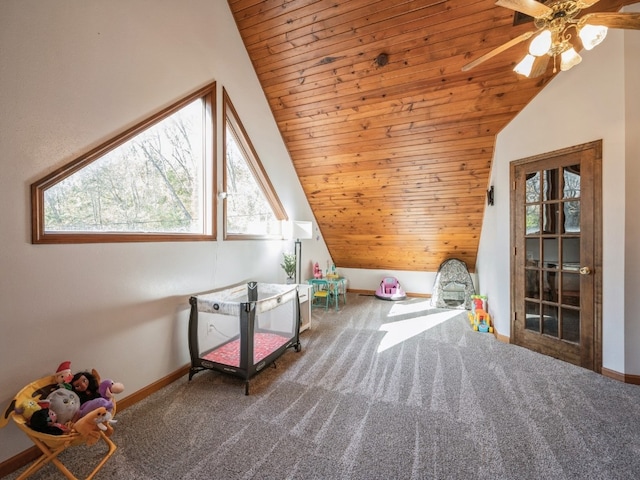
(556, 218)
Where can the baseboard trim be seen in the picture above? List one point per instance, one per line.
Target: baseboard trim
(621, 377)
(27, 456)
(152, 388)
(371, 293)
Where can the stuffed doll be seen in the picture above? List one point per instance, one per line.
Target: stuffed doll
(85, 384)
(96, 421)
(63, 375)
(45, 421)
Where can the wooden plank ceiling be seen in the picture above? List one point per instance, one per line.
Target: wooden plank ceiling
(392, 142)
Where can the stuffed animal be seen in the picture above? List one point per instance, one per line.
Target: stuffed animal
(94, 404)
(65, 403)
(94, 422)
(317, 272)
(45, 421)
(106, 389)
(63, 375)
(27, 408)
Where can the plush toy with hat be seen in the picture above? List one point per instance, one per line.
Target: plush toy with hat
(63, 374)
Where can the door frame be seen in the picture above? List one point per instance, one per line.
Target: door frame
(595, 184)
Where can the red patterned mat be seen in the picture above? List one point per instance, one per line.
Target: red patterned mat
(263, 345)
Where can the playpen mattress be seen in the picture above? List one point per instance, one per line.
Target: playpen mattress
(229, 353)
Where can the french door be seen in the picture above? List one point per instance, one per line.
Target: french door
(556, 218)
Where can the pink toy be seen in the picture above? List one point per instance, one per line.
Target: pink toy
(390, 289)
(317, 271)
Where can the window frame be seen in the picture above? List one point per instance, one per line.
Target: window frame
(255, 165)
(39, 236)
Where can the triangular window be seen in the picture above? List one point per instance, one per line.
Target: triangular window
(252, 208)
(153, 182)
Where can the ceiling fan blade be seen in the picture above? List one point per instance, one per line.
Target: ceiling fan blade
(539, 66)
(498, 50)
(528, 7)
(612, 20)
(587, 3)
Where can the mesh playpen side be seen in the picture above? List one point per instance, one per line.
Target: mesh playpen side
(240, 330)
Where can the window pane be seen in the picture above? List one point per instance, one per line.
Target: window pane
(571, 289)
(550, 188)
(532, 284)
(153, 183)
(550, 252)
(572, 217)
(550, 217)
(532, 313)
(550, 323)
(571, 325)
(571, 254)
(248, 211)
(533, 252)
(533, 219)
(532, 189)
(572, 182)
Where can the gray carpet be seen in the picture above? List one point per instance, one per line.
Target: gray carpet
(364, 399)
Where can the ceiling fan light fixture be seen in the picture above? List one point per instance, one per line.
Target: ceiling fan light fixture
(569, 59)
(541, 44)
(525, 65)
(592, 35)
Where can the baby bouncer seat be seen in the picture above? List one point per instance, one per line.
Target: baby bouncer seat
(51, 446)
(390, 289)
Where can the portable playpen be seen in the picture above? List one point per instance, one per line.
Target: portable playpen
(240, 330)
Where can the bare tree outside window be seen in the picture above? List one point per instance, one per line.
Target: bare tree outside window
(152, 182)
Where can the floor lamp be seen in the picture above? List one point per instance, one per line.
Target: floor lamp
(301, 231)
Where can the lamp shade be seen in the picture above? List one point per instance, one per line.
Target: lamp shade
(541, 44)
(302, 230)
(568, 59)
(592, 35)
(525, 66)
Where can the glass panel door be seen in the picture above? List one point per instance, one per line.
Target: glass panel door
(555, 253)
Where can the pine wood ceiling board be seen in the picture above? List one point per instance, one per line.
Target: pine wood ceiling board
(353, 19)
(342, 98)
(417, 124)
(355, 58)
(408, 145)
(400, 177)
(463, 161)
(434, 55)
(421, 96)
(422, 93)
(421, 90)
(361, 33)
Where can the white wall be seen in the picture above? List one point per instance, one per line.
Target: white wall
(584, 104)
(72, 74)
(420, 283)
(632, 192)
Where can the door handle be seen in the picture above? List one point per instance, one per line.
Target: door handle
(585, 271)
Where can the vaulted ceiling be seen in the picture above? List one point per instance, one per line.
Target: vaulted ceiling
(391, 140)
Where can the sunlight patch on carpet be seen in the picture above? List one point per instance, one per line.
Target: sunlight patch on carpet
(407, 308)
(398, 332)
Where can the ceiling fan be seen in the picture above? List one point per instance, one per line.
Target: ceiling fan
(552, 38)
